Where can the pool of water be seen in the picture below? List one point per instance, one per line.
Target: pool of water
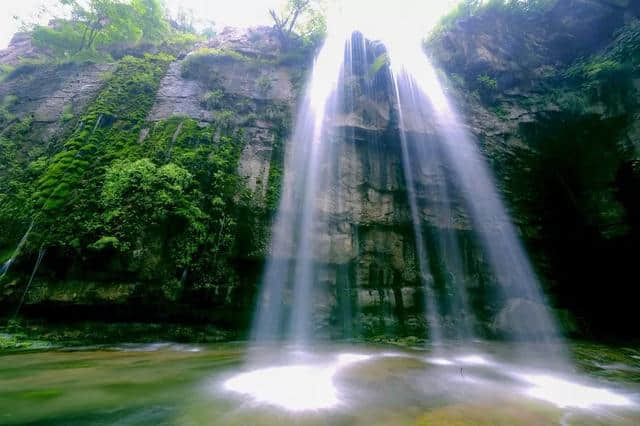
(329, 384)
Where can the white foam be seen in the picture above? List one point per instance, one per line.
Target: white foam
(564, 393)
(295, 387)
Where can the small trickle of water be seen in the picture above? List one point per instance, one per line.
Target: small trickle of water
(5, 267)
(41, 253)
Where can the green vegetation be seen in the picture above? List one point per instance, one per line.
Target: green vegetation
(225, 119)
(160, 199)
(126, 99)
(470, 8)
(380, 62)
(213, 99)
(6, 116)
(67, 113)
(280, 117)
(20, 165)
(100, 29)
(5, 70)
(607, 76)
(20, 334)
(264, 84)
(487, 83)
(207, 56)
(300, 21)
(200, 65)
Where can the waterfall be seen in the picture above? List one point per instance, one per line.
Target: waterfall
(443, 170)
(419, 91)
(300, 216)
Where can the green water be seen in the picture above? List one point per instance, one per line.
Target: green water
(168, 384)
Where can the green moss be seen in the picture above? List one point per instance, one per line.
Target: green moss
(213, 99)
(264, 84)
(5, 70)
(124, 103)
(466, 9)
(67, 113)
(487, 83)
(380, 62)
(8, 342)
(198, 65)
(280, 116)
(607, 76)
(500, 112)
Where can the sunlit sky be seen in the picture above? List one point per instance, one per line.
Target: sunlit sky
(238, 13)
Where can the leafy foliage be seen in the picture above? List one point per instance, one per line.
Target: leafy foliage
(608, 75)
(106, 132)
(304, 19)
(380, 62)
(141, 202)
(95, 26)
(468, 8)
(199, 65)
(160, 203)
(487, 87)
(159, 200)
(264, 84)
(213, 99)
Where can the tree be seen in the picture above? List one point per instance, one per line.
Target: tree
(152, 19)
(97, 23)
(140, 198)
(299, 17)
(104, 20)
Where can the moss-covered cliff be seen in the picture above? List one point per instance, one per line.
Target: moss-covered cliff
(149, 182)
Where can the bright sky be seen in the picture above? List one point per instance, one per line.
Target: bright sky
(239, 13)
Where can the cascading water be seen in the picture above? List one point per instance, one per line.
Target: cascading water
(418, 90)
(435, 148)
(417, 83)
(300, 215)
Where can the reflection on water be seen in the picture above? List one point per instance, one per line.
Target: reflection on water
(294, 387)
(565, 393)
(166, 384)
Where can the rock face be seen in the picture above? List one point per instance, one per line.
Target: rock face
(562, 139)
(567, 165)
(184, 97)
(51, 95)
(517, 49)
(20, 47)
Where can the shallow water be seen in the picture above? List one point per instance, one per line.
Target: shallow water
(337, 384)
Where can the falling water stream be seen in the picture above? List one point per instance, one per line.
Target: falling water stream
(5, 267)
(435, 148)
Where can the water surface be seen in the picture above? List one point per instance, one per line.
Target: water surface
(330, 384)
